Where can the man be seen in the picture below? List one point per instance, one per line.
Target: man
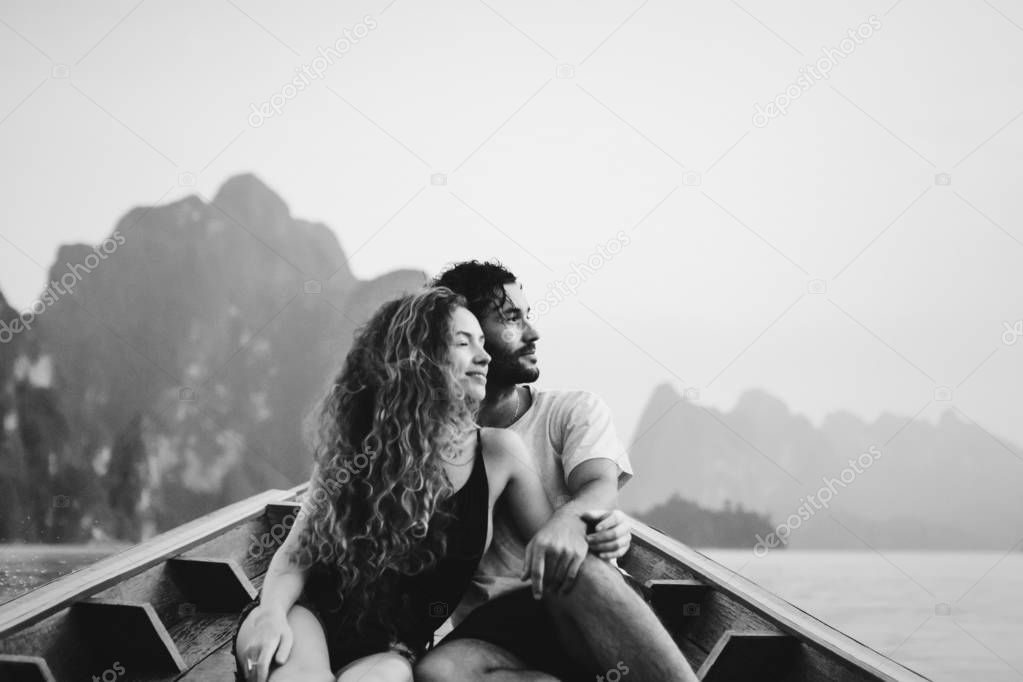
(579, 616)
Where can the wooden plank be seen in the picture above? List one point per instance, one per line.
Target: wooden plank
(750, 657)
(129, 633)
(60, 641)
(62, 592)
(219, 665)
(680, 605)
(277, 513)
(721, 612)
(775, 610)
(24, 669)
(201, 634)
(645, 562)
(212, 584)
(153, 586)
(677, 597)
(243, 544)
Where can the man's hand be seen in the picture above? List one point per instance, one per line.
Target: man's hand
(556, 552)
(611, 537)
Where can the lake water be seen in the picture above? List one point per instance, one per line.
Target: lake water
(948, 615)
(23, 567)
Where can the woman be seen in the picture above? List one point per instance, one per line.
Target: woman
(399, 507)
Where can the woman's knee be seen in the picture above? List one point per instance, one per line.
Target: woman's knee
(300, 673)
(438, 666)
(308, 659)
(383, 667)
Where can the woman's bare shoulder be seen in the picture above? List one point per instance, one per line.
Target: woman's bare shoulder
(501, 440)
(503, 448)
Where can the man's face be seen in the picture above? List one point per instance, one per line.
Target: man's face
(511, 340)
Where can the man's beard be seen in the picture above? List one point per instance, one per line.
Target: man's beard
(508, 369)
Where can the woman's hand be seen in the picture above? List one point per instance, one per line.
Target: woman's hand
(263, 632)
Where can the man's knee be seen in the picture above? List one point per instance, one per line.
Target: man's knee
(596, 578)
(598, 587)
(599, 572)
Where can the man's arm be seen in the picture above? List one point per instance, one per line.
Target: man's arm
(594, 487)
(592, 452)
(595, 463)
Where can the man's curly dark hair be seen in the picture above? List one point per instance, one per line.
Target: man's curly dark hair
(481, 284)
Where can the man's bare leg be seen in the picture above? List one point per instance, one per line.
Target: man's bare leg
(474, 659)
(616, 627)
(602, 624)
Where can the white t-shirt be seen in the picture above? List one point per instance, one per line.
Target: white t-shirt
(561, 430)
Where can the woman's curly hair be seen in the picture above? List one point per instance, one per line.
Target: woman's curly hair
(390, 415)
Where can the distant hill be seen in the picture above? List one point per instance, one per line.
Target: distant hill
(945, 485)
(174, 376)
(731, 527)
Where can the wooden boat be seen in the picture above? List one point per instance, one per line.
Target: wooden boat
(166, 609)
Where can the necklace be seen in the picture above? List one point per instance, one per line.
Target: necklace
(518, 405)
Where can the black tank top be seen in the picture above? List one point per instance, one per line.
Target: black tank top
(433, 595)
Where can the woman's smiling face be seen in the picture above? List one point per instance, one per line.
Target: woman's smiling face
(466, 357)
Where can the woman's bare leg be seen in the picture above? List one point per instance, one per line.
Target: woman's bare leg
(383, 667)
(475, 659)
(309, 660)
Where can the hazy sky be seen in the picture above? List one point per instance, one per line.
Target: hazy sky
(559, 126)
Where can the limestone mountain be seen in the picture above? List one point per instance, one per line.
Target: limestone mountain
(180, 364)
(944, 485)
